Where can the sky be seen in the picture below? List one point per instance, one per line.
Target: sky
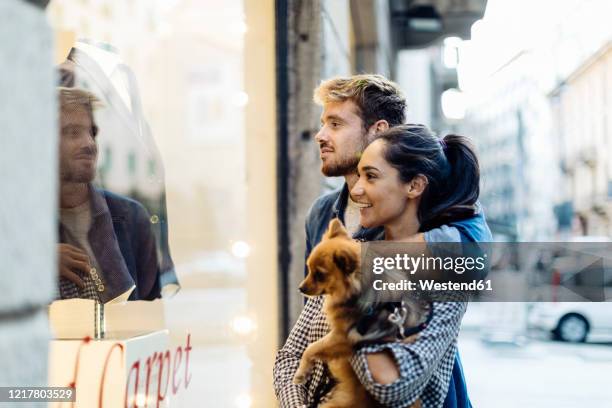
(564, 31)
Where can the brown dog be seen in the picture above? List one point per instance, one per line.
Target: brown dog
(334, 271)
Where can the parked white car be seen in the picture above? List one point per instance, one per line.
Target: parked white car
(572, 321)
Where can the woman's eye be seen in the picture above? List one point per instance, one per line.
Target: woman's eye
(370, 176)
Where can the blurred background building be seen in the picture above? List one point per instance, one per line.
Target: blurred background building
(582, 117)
(226, 91)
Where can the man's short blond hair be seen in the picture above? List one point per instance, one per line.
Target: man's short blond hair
(78, 96)
(376, 97)
(71, 97)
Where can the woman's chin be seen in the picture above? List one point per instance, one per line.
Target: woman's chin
(368, 223)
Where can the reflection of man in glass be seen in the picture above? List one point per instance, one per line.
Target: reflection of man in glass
(107, 249)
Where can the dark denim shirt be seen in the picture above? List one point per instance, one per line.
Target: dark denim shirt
(132, 226)
(124, 245)
(474, 229)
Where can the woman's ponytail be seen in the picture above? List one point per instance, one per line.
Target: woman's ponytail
(459, 193)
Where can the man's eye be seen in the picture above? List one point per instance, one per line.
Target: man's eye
(71, 131)
(335, 124)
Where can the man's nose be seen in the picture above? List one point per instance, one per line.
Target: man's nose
(90, 142)
(89, 146)
(321, 136)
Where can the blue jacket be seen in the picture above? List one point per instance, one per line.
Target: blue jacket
(124, 245)
(132, 226)
(333, 204)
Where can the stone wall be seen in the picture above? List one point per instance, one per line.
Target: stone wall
(28, 146)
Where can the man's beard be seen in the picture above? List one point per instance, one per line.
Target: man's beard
(343, 167)
(346, 164)
(72, 170)
(72, 175)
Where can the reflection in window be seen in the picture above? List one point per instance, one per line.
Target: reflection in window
(170, 76)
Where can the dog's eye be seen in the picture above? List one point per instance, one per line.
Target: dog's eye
(319, 276)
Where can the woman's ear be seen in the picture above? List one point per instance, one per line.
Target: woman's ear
(416, 186)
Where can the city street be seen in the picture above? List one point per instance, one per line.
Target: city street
(536, 372)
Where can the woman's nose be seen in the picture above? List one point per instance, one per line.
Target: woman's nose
(357, 190)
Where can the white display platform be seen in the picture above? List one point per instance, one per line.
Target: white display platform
(135, 367)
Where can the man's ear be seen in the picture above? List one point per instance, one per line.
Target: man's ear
(345, 261)
(335, 229)
(416, 186)
(379, 126)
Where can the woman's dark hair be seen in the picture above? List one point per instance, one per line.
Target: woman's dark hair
(449, 164)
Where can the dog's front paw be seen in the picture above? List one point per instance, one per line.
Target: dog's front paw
(299, 378)
(302, 373)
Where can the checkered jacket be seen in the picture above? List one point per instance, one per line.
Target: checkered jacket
(425, 365)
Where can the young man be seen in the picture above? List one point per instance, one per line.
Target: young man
(396, 374)
(106, 248)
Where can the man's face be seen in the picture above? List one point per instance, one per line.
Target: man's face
(78, 150)
(341, 138)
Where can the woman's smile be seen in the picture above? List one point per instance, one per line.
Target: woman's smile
(362, 205)
(379, 194)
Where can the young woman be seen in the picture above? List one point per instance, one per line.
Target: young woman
(411, 182)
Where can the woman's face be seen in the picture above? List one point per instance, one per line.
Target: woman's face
(379, 192)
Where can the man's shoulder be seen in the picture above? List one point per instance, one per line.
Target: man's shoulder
(321, 211)
(323, 206)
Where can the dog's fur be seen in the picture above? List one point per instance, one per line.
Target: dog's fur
(334, 271)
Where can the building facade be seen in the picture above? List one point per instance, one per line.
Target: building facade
(583, 122)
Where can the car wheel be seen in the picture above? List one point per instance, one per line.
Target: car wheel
(572, 328)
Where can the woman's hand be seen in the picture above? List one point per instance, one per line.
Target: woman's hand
(383, 367)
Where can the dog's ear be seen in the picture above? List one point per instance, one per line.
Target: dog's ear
(345, 261)
(336, 229)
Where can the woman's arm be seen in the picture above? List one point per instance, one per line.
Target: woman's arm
(396, 373)
(288, 358)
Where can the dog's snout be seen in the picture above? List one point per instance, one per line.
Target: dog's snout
(305, 288)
